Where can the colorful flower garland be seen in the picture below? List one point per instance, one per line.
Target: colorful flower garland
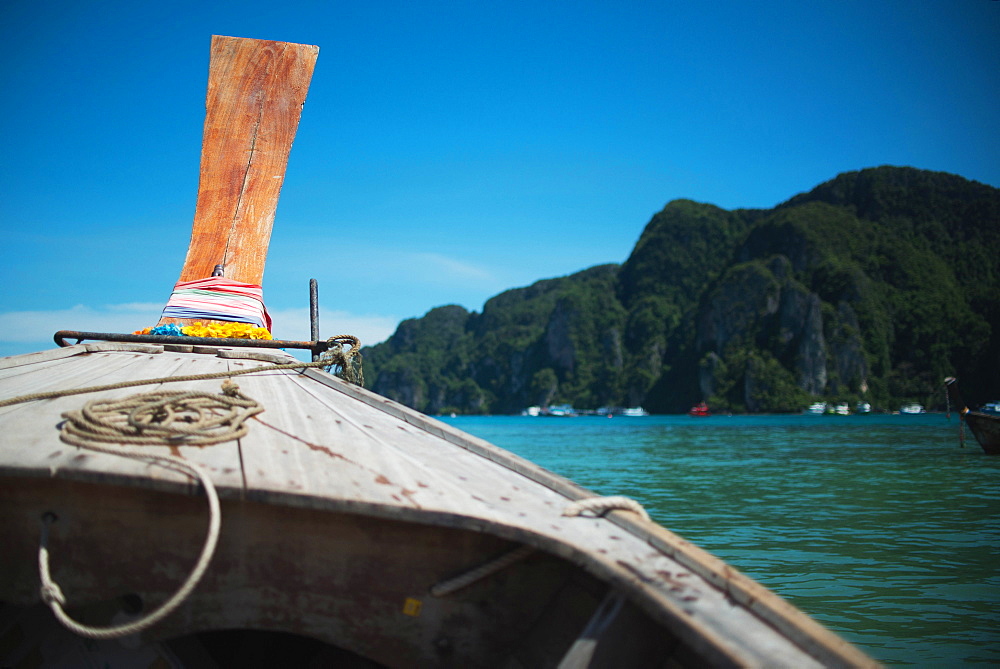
(217, 330)
(219, 299)
(239, 305)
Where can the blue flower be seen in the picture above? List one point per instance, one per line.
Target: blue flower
(168, 330)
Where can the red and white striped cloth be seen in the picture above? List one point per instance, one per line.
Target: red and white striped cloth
(220, 299)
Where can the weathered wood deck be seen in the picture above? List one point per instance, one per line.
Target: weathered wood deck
(327, 459)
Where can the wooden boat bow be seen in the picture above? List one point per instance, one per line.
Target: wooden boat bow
(347, 519)
(256, 90)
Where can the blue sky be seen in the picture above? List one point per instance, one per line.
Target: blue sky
(451, 150)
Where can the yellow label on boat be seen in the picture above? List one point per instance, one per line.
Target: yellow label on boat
(411, 607)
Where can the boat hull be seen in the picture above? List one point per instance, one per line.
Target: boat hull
(343, 516)
(986, 429)
(349, 581)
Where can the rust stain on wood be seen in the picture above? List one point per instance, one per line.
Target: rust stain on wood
(315, 447)
(408, 494)
(322, 449)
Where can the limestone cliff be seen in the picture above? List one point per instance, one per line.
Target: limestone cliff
(873, 286)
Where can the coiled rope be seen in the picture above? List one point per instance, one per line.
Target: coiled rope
(167, 417)
(175, 416)
(188, 417)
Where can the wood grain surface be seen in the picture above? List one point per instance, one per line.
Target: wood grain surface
(256, 89)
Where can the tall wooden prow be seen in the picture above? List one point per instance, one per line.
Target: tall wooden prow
(256, 90)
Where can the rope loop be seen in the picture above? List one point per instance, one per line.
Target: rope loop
(53, 596)
(162, 418)
(600, 505)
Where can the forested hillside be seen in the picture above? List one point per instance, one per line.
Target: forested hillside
(875, 286)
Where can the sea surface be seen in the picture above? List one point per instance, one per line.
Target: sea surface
(882, 527)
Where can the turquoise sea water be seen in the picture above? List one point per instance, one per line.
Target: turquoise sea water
(882, 527)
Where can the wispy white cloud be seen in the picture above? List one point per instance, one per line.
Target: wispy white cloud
(441, 266)
(371, 329)
(39, 326)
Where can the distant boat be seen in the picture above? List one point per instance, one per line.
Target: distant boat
(700, 409)
(816, 408)
(991, 407)
(611, 412)
(912, 408)
(985, 425)
(842, 409)
(863, 407)
(559, 411)
(532, 411)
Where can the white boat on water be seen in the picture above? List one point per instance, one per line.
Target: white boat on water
(559, 411)
(816, 408)
(912, 408)
(167, 499)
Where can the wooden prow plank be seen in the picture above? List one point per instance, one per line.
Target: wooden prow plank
(256, 89)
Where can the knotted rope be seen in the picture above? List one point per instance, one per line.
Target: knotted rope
(343, 361)
(171, 417)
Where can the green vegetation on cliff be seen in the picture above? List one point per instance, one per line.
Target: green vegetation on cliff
(873, 286)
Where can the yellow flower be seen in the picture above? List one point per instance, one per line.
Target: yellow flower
(226, 331)
(219, 331)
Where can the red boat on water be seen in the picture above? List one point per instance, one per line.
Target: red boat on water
(700, 409)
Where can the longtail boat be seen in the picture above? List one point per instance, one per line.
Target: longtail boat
(985, 426)
(180, 498)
